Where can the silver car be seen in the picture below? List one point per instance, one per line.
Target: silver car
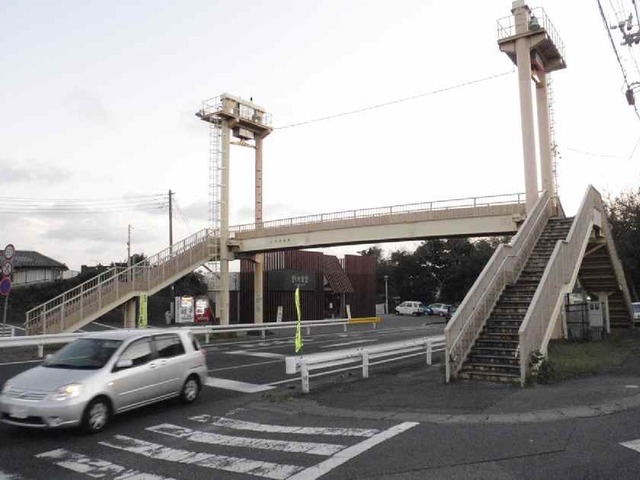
(102, 374)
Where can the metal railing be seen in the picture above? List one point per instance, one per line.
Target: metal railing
(506, 28)
(365, 356)
(207, 331)
(503, 268)
(117, 285)
(559, 272)
(367, 213)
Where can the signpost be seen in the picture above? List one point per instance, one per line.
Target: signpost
(5, 283)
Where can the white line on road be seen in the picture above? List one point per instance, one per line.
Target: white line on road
(262, 427)
(632, 444)
(9, 476)
(246, 365)
(106, 326)
(256, 354)
(235, 385)
(348, 343)
(316, 471)
(156, 451)
(210, 438)
(95, 467)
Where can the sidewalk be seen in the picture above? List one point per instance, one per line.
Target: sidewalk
(420, 394)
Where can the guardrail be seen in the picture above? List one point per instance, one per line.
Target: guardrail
(383, 353)
(61, 338)
(7, 330)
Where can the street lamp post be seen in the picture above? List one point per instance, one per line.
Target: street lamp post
(386, 294)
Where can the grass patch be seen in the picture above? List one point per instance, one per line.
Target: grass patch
(572, 359)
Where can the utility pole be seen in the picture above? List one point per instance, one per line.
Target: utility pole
(129, 246)
(173, 287)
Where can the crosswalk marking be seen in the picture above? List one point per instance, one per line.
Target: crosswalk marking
(235, 385)
(94, 467)
(156, 451)
(261, 427)
(633, 445)
(316, 471)
(256, 354)
(246, 442)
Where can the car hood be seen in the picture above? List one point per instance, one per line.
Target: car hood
(48, 379)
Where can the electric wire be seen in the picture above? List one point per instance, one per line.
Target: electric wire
(22, 205)
(185, 220)
(394, 102)
(624, 73)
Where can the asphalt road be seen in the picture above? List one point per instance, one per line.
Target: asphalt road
(281, 433)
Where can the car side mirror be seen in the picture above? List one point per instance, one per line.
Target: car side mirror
(124, 363)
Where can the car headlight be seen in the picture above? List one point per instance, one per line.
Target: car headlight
(67, 391)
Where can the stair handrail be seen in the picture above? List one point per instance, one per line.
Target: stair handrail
(558, 272)
(501, 269)
(617, 264)
(115, 273)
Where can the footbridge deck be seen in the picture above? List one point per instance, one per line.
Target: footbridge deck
(478, 216)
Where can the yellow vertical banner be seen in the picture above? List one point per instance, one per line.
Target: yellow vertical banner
(299, 325)
(142, 317)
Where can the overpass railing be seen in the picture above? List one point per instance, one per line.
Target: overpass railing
(344, 215)
(502, 269)
(116, 285)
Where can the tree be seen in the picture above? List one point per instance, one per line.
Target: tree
(624, 215)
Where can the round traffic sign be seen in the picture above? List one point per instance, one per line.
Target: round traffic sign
(5, 286)
(7, 268)
(9, 251)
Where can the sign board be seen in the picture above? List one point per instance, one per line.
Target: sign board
(5, 286)
(7, 268)
(185, 309)
(9, 251)
(288, 280)
(142, 319)
(279, 314)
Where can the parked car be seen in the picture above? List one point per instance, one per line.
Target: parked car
(427, 309)
(410, 308)
(439, 309)
(99, 375)
(636, 311)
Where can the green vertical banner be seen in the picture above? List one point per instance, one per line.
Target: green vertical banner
(142, 318)
(299, 325)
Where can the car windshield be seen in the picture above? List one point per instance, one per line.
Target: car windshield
(636, 307)
(84, 353)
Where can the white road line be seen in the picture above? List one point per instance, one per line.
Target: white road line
(210, 438)
(347, 343)
(9, 476)
(105, 325)
(633, 445)
(235, 385)
(316, 471)
(156, 451)
(95, 467)
(256, 354)
(246, 365)
(19, 362)
(261, 427)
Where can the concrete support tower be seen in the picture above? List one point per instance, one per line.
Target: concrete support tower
(249, 124)
(531, 42)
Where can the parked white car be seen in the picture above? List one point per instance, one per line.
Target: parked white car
(410, 308)
(440, 309)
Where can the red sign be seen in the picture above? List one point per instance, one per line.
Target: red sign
(9, 251)
(7, 268)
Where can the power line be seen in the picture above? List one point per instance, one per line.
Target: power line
(613, 45)
(10, 205)
(393, 102)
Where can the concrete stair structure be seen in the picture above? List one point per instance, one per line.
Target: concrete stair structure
(494, 356)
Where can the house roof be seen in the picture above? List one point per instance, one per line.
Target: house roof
(25, 259)
(335, 275)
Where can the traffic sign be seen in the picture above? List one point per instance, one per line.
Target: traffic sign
(7, 268)
(5, 286)
(9, 251)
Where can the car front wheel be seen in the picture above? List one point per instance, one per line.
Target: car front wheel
(96, 415)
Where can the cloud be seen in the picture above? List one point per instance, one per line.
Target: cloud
(29, 171)
(88, 106)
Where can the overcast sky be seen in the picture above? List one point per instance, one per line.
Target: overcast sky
(98, 103)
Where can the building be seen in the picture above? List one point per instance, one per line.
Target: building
(31, 268)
